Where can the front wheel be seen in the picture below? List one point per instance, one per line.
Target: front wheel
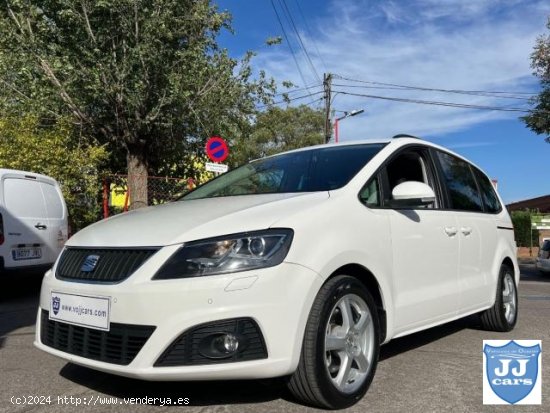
(502, 316)
(341, 346)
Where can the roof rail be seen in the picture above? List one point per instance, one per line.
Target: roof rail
(405, 135)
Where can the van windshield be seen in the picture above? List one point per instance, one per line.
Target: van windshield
(321, 169)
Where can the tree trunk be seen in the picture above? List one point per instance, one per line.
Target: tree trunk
(136, 160)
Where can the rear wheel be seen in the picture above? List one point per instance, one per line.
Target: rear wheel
(503, 315)
(341, 346)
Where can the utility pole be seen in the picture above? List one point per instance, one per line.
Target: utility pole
(327, 81)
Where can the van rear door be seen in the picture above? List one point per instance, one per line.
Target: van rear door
(56, 213)
(27, 239)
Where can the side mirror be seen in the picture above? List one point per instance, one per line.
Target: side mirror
(412, 194)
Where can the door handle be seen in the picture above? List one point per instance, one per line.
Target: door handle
(40, 226)
(466, 230)
(451, 231)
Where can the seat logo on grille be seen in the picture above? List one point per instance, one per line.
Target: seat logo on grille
(89, 263)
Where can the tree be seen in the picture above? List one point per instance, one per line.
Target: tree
(144, 76)
(277, 130)
(524, 233)
(28, 145)
(539, 118)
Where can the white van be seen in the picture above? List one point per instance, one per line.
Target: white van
(33, 220)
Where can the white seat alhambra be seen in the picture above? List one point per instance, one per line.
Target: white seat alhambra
(298, 265)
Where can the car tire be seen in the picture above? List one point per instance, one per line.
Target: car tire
(502, 316)
(344, 320)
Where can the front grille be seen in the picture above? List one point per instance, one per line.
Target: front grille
(113, 265)
(119, 345)
(184, 351)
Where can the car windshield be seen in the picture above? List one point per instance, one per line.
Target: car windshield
(321, 169)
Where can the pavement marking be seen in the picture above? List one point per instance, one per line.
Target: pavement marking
(536, 297)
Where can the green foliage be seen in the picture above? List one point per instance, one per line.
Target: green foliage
(539, 119)
(146, 77)
(522, 229)
(270, 41)
(277, 130)
(51, 150)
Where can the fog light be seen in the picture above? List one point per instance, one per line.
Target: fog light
(230, 343)
(221, 345)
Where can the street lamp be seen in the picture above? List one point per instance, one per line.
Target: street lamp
(346, 115)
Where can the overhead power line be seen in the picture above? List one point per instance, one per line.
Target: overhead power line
(438, 103)
(465, 92)
(311, 35)
(289, 17)
(522, 95)
(308, 87)
(288, 43)
(294, 99)
(315, 101)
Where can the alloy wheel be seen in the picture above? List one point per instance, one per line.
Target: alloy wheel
(349, 343)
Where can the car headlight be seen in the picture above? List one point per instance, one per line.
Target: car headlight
(227, 254)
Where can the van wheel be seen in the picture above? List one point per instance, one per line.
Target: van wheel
(502, 316)
(341, 346)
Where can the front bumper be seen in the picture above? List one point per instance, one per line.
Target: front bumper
(278, 299)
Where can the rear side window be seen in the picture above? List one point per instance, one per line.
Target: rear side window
(23, 198)
(460, 181)
(490, 198)
(54, 207)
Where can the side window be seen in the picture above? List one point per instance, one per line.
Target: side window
(411, 165)
(408, 166)
(490, 198)
(370, 194)
(460, 182)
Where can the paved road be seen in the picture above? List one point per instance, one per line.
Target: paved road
(432, 371)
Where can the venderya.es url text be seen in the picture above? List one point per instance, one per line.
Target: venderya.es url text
(98, 400)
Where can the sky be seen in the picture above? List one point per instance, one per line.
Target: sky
(473, 45)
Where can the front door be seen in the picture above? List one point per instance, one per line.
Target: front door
(425, 246)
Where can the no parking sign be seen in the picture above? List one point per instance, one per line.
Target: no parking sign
(216, 149)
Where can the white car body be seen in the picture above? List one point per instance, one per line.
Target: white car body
(430, 266)
(543, 259)
(33, 220)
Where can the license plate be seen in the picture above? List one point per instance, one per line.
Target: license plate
(81, 310)
(33, 253)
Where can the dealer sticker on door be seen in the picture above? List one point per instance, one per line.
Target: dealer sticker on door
(80, 310)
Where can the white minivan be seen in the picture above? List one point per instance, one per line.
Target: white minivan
(33, 221)
(299, 265)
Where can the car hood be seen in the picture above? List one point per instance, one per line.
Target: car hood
(184, 221)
